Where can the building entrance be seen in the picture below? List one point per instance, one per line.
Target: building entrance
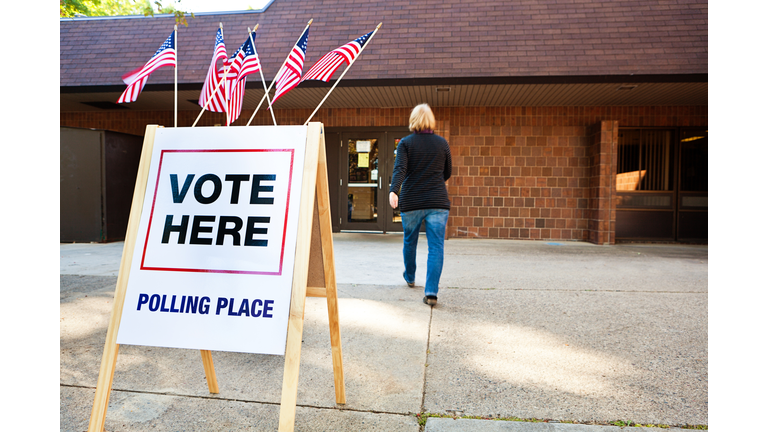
(369, 158)
(361, 182)
(363, 172)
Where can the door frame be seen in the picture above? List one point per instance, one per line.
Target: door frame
(338, 179)
(344, 186)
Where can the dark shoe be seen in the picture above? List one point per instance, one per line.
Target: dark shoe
(410, 284)
(430, 300)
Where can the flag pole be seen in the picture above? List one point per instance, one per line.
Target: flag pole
(176, 77)
(224, 77)
(278, 71)
(250, 35)
(342, 75)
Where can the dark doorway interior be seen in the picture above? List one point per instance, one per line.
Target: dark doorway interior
(662, 185)
(98, 173)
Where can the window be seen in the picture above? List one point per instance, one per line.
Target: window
(644, 161)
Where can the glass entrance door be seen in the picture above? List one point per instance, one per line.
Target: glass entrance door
(366, 160)
(362, 183)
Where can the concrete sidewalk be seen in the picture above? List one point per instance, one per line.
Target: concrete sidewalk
(563, 331)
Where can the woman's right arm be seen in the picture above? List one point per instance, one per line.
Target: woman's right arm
(398, 173)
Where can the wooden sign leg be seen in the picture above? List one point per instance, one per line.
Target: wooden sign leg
(103, 388)
(291, 370)
(329, 269)
(109, 356)
(299, 289)
(210, 372)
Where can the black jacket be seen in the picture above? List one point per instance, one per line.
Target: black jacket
(422, 166)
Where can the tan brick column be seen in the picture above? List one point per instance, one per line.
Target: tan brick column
(602, 153)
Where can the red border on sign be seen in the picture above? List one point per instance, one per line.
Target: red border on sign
(195, 270)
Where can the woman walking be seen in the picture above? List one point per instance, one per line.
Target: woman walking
(422, 166)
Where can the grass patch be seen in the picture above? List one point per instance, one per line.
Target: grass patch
(422, 420)
(659, 426)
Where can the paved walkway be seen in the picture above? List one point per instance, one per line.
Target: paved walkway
(560, 331)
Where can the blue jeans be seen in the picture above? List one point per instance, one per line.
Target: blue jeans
(436, 220)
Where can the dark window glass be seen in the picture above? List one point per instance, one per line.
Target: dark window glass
(694, 158)
(644, 160)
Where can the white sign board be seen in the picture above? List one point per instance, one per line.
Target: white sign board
(363, 146)
(213, 263)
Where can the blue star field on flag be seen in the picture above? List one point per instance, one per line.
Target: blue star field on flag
(169, 43)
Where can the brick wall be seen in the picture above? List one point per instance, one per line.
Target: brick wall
(525, 182)
(525, 172)
(519, 172)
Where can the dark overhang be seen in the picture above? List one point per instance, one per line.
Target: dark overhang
(605, 90)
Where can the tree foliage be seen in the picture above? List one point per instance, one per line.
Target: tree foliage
(74, 8)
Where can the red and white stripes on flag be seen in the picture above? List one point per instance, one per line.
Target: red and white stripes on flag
(290, 75)
(235, 103)
(234, 90)
(324, 68)
(217, 96)
(136, 79)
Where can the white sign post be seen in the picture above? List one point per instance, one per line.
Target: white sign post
(218, 250)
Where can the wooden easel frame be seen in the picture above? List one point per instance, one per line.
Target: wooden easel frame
(314, 275)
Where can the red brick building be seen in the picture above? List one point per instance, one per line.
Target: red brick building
(567, 120)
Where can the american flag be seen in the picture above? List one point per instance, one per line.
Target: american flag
(218, 99)
(324, 68)
(135, 80)
(245, 60)
(290, 75)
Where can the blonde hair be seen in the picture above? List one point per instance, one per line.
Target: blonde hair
(422, 118)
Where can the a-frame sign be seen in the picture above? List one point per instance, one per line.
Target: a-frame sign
(229, 232)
